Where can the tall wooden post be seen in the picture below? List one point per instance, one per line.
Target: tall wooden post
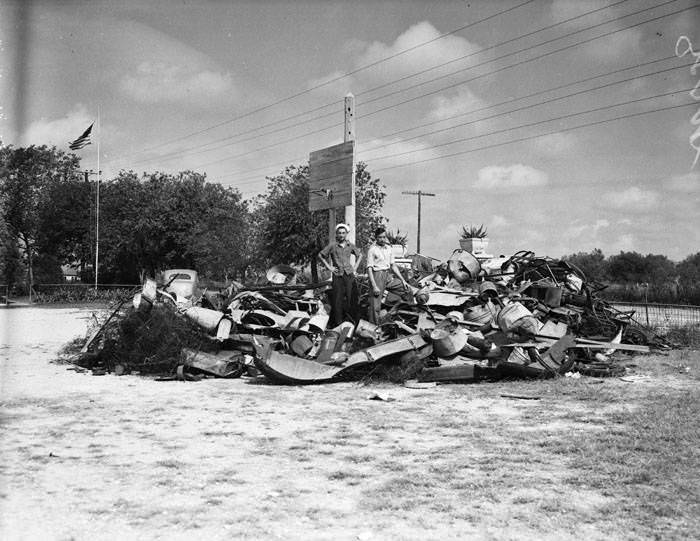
(349, 135)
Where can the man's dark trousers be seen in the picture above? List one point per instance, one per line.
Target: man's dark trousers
(345, 299)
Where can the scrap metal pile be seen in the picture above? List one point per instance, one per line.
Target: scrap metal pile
(466, 319)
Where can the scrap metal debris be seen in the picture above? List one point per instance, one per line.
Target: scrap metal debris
(466, 319)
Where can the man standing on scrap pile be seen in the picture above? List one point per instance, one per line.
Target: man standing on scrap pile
(345, 297)
(380, 259)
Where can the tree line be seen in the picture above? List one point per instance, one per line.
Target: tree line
(153, 221)
(632, 276)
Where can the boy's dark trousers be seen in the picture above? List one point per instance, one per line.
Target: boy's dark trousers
(345, 299)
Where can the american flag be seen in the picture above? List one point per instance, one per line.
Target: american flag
(82, 141)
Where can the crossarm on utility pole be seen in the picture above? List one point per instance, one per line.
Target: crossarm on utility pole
(419, 193)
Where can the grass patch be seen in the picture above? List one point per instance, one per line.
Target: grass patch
(402, 493)
(687, 336)
(648, 461)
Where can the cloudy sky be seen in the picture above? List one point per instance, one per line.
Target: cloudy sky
(562, 125)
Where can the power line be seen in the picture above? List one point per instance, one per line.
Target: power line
(531, 124)
(549, 27)
(532, 95)
(494, 145)
(484, 49)
(495, 71)
(518, 109)
(516, 64)
(509, 101)
(339, 77)
(525, 107)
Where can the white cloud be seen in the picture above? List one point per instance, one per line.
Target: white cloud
(423, 57)
(495, 177)
(587, 231)
(555, 143)
(161, 81)
(690, 182)
(632, 199)
(464, 101)
(402, 64)
(58, 131)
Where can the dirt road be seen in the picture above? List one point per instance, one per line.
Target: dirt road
(86, 457)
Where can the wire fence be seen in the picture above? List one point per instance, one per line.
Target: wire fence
(64, 293)
(650, 314)
(662, 315)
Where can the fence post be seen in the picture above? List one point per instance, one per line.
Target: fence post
(646, 302)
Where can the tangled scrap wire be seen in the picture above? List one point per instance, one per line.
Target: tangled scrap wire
(151, 342)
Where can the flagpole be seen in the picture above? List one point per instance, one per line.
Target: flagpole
(97, 200)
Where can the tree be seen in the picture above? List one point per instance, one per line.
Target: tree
(162, 221)
(689, 279)
(218, 241)
(592, 264)
(66, 224)
(11, 268)
(26, 176)
(290, 233)
(627, 268)
(369, 200)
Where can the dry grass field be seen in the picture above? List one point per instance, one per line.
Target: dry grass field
(85, 457)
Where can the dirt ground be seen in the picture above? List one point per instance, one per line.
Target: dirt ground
(87, 457)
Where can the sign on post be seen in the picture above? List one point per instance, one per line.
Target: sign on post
(331, 177)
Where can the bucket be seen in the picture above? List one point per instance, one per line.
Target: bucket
(367, 330)
(447, 344)
(457, 271)
(481, 314)
(317, 323)
(301, 345)
(204, 317)
(510, 314)
(348, 327)
(281, 274)
(487, 290)
(327, 345)
(223, 330)
(519, 356)
(469, 262)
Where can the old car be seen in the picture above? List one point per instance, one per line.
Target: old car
(181, 283)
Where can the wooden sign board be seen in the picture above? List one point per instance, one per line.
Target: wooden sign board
(331, 177)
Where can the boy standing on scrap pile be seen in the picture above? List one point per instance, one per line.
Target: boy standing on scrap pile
(345, 298)
(380, 259)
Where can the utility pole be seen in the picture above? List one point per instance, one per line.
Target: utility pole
(349, 135)
(97, 217)
(419, 194)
